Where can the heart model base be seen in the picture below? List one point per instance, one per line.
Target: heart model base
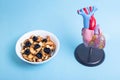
(89, 56)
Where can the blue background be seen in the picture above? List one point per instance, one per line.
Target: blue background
(59, 17)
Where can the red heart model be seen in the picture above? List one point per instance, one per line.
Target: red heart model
(92, 23)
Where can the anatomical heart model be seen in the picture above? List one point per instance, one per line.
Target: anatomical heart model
(90, 52)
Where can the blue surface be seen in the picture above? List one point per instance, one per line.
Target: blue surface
(61, 18)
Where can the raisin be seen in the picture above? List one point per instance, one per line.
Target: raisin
(47, 50)
(36, 46)
(35, 38)
(27, 44)
(44, 40)
(27, 51)
(39, 55)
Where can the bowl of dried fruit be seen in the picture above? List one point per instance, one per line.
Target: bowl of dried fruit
(37, 47)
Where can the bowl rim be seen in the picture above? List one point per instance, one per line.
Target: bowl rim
(34, 31)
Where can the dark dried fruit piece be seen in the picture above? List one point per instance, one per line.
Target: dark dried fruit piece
(36, 46)
(27, 44)
(35, 38)
(47, 50)
(44, 40)
(27, 51)
(39, 55)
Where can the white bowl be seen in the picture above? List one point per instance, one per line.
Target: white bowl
(41, 33)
